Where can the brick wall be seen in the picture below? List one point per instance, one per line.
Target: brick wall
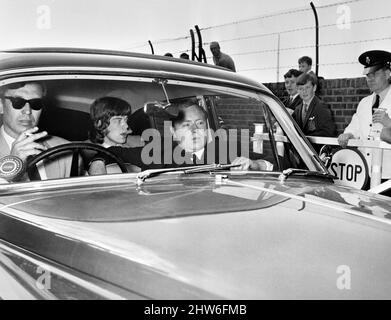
(342, 95)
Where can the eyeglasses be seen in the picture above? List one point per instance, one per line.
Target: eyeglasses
(18, 103)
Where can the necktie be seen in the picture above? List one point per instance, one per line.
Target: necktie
(304, 111)
(376, 104)
(194, 158)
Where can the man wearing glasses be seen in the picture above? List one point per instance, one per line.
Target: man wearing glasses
(22, 105)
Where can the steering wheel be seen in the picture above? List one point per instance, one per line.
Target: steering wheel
(76, 147)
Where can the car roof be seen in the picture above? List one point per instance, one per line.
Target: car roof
(49, 57)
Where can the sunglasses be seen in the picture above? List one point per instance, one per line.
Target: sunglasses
(18, 103)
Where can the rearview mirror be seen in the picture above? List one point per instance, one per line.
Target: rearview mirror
(156, 107)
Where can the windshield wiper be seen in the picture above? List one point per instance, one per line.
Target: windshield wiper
(301, 172)
(142, 176)
(210, 168)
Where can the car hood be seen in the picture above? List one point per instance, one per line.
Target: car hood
(245, 238)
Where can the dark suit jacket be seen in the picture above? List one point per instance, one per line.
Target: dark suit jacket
(177, 157)
(211, 155)
(292, 105)
(318, 121)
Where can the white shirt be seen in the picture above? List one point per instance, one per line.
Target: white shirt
(294, 97)
(361, 123)
(307, 104)
(382, 95)
(10, 140)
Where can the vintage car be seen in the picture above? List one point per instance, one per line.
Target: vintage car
(203, 232)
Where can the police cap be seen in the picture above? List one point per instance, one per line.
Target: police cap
(374, 60)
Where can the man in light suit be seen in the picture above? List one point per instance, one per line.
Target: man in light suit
(373, 112)
(22, 105)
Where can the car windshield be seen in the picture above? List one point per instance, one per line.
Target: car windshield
(241, 122)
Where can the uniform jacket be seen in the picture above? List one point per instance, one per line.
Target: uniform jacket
(318, 121)
(59, 167)
(360, 127)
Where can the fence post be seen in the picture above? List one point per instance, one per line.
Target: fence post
(278, 58)
(316, 38)
(150, 44)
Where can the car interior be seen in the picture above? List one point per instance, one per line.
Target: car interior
(67, 113)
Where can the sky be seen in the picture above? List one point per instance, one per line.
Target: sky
(348, 28)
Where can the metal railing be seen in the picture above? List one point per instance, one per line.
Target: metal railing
(377, 154)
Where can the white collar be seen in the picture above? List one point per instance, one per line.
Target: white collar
(8, 139)
(294, 97)
(106, 145)
(308, 104)
(383, 94)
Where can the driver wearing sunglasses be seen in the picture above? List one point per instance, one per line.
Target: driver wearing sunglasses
(22, 104)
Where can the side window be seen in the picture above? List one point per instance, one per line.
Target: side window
(242, 118)
(256, 128)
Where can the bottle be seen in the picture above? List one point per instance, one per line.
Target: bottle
(377, 126)
(258, 142)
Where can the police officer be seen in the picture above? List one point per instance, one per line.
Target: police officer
(373, 111)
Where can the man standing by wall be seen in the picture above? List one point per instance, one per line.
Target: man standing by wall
(313, 116)
(305, 65)
(294, 99)
(373, 111)
(221, 59)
